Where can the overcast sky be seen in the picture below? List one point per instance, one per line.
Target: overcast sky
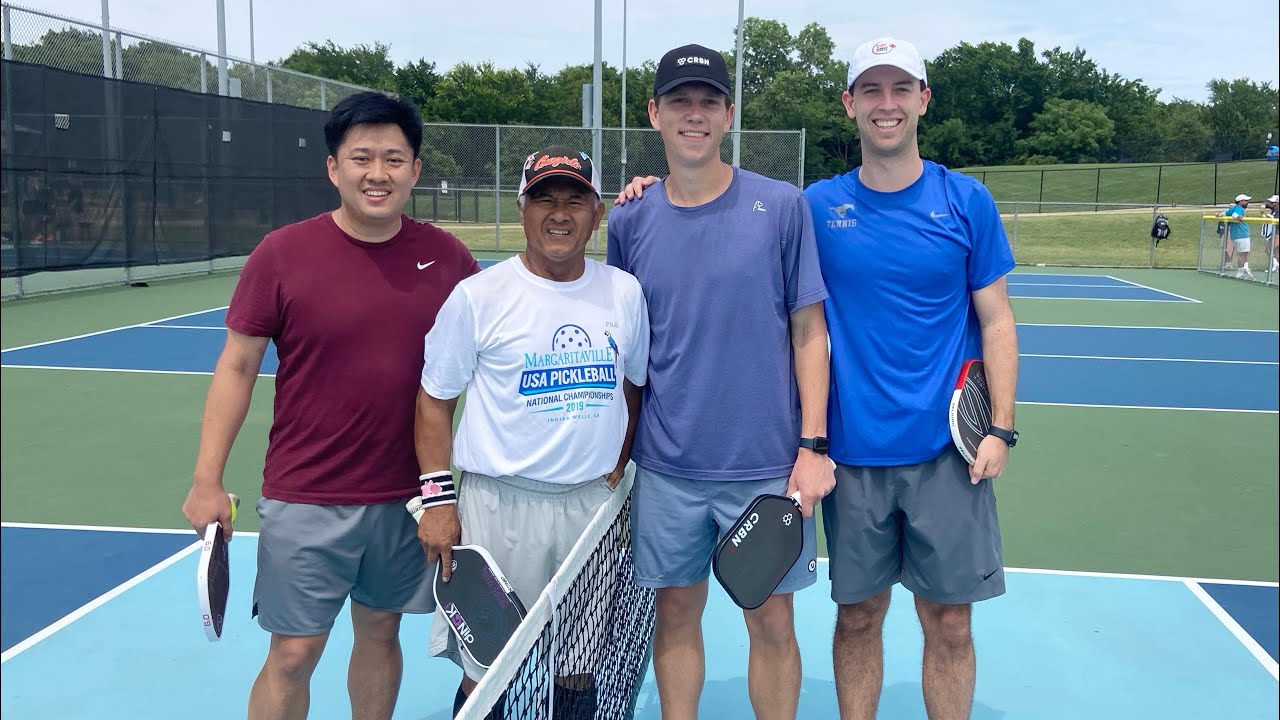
(1174, 45)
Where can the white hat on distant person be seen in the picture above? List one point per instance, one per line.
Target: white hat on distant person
(1242, 197)
(1274, 199)
(887, 51)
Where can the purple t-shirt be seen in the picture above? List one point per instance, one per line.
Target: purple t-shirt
(721, 281)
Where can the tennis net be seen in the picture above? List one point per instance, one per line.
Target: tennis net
(584, 647)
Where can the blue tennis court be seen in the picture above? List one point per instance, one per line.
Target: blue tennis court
(1058, 645)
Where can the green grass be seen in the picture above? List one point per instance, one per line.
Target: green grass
(1138, 183)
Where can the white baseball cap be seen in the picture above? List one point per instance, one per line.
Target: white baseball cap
(1242, 196)
(887, 51)
(1274, 199)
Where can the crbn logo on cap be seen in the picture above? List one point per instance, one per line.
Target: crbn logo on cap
(693, 60)
(882, 48)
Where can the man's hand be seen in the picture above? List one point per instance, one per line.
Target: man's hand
(814, 476)
(635, 189)
(439, 531)
(208, 502)
(615, 476)
(993, 455)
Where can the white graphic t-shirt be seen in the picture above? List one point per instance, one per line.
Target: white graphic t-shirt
(542, 363)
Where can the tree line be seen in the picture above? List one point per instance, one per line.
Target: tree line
(994, 104)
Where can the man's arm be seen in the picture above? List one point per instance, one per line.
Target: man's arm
(225, 408)
(634, 394)
(1000, 360)
(813, 474)
(439, 529)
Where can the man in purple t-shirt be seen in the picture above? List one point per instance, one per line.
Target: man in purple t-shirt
(737, 395)
(347, 297)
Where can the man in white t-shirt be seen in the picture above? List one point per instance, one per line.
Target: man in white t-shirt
(552, 350)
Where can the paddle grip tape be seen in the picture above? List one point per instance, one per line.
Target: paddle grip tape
(437, 489)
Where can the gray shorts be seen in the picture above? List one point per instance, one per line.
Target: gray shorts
(922, 525)
(676, 523)
(311, 558)
(528, 527)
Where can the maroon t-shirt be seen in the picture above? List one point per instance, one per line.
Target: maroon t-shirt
(348, 319)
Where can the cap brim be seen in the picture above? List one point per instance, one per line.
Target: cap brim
(672, 85)
(890, 63)
(559, 173)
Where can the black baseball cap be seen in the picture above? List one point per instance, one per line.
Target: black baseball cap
(691, 63)
(559, 161)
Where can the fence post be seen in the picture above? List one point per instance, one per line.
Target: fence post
(1097, 189)
(1040, 207)
(8, 34)
(1151, 261)
(802, 136)
(497, 187)
(1159, 181)
(119, 57)
(324, 100)
(269, 96)
(1015, 232)
(204, 74)
(1215, 183)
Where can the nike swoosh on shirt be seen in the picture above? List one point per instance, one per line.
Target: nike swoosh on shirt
(935, 214)
(424, 266)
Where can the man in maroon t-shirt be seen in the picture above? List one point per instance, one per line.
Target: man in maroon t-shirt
(347, 297)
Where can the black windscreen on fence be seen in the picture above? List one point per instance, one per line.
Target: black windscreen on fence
(104, 173)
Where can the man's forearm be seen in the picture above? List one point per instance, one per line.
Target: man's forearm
(1000, 358)
(634, 395)
(225, 408)
(813, 369)
(433, 432)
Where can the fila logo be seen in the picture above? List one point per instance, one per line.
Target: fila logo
(758, 207)
(424, 266)
(693, 60)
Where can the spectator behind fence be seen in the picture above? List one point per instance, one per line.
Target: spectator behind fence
(1238, 233)
(1271, 209)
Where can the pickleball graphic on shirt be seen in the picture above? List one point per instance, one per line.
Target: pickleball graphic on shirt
(574, 363)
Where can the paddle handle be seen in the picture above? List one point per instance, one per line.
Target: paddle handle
(795, 498)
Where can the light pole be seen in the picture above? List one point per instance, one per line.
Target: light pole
(737, 92)
(622, 180)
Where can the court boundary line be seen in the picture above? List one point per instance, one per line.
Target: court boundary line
(1013, 284)
(114, 329)
(121, 370)
(1166, 292)
(1151, 359)
(1253, 646)
(1145, 407)
(1146, 327)
(1095, 299)
(62, 622)
(179, 327)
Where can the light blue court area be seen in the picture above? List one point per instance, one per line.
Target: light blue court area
(1061, 364)
(1048, 286)
(1056, 646)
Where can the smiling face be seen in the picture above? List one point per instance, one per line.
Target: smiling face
(887, 103)
(374, 171)
(558, 214)
(692, 119)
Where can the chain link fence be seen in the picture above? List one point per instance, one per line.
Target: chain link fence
(470, 173)
(41, 38)
(1220, 255)
(1169, 184)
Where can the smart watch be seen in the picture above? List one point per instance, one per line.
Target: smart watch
(1010, 437)
(817, 444)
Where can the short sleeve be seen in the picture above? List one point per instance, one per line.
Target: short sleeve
(990, 257)
(449, 355)
(637, 361)
(256, 303)
(613, 244)
(802, 277)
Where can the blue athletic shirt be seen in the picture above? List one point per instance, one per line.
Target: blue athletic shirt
(721, 281)
(899, 268)
(1239, 230)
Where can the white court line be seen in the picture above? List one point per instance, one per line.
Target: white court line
(1026, 285)
(1148, 407)
(104, 332)
(1096, 299)
(97, 602)
(1148, 327)
(120, 370)
(1166, 292)
(1153, 359)
(220, 328)
(1234, 627)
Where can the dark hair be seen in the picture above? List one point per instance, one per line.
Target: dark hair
(372, 108)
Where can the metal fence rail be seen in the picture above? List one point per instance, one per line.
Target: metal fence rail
(1218, 255)
(42, 38)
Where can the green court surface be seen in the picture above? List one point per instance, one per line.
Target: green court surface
(1122, 490)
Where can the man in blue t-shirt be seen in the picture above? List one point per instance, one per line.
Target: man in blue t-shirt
(1238, 234)
(738, 379)
(914, 257)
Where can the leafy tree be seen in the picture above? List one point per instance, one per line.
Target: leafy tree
(359, 65)
(1069, 131)
(70, 49)
(1241, 113)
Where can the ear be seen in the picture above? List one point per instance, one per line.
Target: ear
(595, 222)
(653, 113)
(728, 118)
(846, 99)
(925, 96)
(417, 169)
(331, 163)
